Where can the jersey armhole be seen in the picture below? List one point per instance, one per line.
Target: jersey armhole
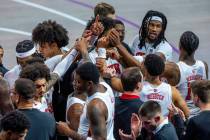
(181, 75)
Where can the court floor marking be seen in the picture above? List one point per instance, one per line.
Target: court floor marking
(86, 5)
(50, 10)
(15, 31)
(62, 14)
(89, 6)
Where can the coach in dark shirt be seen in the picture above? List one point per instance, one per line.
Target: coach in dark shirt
(43, 125)
(129, 102)
(155, 126)
(198, 127)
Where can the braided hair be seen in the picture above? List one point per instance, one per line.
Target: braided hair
(189, 42)
(144, 28)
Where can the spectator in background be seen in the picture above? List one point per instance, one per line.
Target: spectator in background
(3, 70)
(14, 126)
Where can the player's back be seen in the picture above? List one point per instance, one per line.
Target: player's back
(161, 93)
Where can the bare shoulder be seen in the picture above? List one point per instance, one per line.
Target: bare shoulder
(96, 104)
(171, 73)
(206, 68)
(76, 107)
(97, 107)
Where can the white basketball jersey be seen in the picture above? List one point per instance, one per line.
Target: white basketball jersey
(41, 106)
(71, 101)
(161, 93)
(108, 99)
(164, 47)
(189, 74)
(12, 75)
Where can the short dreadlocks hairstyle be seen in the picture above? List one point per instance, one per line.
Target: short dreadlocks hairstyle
(50, 32)
(144, 28)
(189, 42)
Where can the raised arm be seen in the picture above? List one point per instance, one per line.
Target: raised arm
(127, 58)
(63, 66)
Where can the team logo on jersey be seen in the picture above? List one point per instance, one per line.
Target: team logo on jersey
(155, 96)
(116, 67)
(197, 74)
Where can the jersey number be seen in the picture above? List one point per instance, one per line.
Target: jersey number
(188, 97)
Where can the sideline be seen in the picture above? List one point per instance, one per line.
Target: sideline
(15, 31)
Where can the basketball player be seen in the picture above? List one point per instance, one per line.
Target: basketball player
(188, 69)
(98, 113)
(151, 38)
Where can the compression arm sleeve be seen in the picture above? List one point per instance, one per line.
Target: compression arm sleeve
(63, 66)
(52, 62)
